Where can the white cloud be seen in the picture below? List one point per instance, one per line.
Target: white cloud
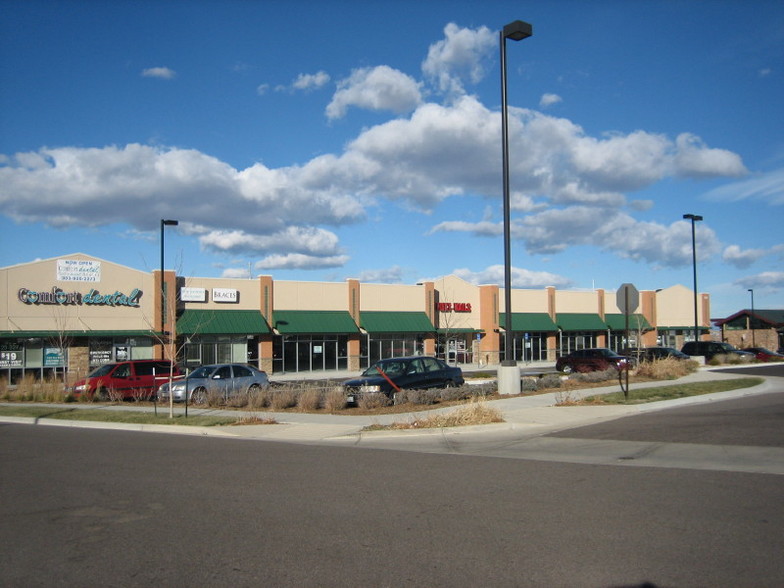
(377, 88)
(163, 73)
(694, 159)
(460, 57)
(392, 275)
(300, 261)
(521, 278)
(765, 187)
(734, 255)
(549, 99)
(773, 281)
(309, 82)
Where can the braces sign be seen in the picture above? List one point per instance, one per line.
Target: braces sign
(92, 298)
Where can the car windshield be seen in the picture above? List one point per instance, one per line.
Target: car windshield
(202, 372)
(727, 347)
(101, 371)
(390, 368)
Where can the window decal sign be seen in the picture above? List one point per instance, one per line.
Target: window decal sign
(78, 270)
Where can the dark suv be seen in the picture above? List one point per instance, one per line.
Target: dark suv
(592, 360)
(710, 349)
(653, 353)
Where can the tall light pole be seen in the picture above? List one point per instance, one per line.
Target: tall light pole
(694, 218)
(508, 372)
(751, 318)
(164, 223)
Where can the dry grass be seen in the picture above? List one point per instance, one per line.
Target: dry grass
(309, 400)
(30, 389)
(477, 412)
(334, 399)
(666, 369)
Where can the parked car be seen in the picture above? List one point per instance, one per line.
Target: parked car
(710, 349)
(593, 360)
(653, 353)
(224, 379)
(138, 379)
(416, 373)
(763, 354)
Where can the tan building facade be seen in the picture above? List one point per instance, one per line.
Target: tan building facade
(73, 313)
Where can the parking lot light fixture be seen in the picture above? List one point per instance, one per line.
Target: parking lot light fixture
(694, 218)
(508, 371)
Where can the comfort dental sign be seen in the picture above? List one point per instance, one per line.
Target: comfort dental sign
(57, 296)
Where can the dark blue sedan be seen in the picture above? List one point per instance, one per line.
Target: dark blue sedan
(415, 373)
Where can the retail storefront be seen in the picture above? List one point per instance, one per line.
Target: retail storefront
(73, 313)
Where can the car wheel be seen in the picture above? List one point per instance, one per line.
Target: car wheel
(567, 369)
(450, 384)
(254, 389)
(199, 396)
(101, 394)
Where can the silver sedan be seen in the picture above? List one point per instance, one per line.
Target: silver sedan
(222, 380)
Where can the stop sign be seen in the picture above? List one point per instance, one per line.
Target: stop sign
(627, 298)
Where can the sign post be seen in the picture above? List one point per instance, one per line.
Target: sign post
(628, 299)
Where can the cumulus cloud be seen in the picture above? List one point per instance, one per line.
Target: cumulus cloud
(376, 88)
(772, 281)
(461, 56)
(163, 73)
(392, 275)
(300, 261)
(569, 186)
(309, 82)
(549, 99)
(521, 278)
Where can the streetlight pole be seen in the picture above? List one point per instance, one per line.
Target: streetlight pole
(694, 218)
(751, 318)
(508, 372)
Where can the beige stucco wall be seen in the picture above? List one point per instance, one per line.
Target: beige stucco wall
(583, 301)
(452, 289)
(675, 307)
(41, 276)
(248, 293)
(311, 296)
(392, 298)
(526, 300)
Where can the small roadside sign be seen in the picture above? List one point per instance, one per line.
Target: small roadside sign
(627, 298)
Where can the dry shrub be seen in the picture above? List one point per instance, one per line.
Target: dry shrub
(309, 400)
(666, 369)
(548, 381)
(114, 395)
(597, 376)
(477, 412)
(454, 393)
(727, 359)
(373, 400)
(32, 390)
(334, 399)
(283, 398)
(254, 419)
(237, 400)
(424, 397)
(258, 398)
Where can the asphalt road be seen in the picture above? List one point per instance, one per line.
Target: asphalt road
(85, 507)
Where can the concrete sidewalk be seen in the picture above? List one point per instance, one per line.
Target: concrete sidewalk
(532, 415)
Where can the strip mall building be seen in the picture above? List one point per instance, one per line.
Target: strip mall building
(73, 313)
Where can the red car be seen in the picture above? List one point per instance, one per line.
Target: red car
(592, 360)
(763, 354)
(138, 379)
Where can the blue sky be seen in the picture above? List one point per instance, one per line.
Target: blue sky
(328, 140)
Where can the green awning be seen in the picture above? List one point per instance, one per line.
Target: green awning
(529, 322)
(221, 322)
(90, 333)
(395, 322)
(617, 322)
(313, 321)
(578, 321)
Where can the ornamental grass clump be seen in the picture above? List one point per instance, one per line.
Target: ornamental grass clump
(334, 399)
(309, 400)
(30, 389)
(666, 369)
